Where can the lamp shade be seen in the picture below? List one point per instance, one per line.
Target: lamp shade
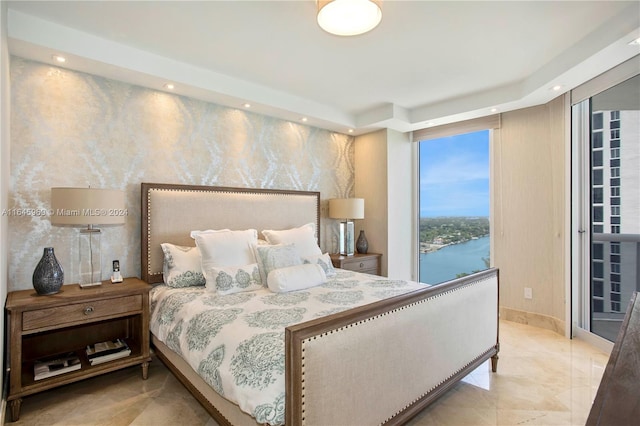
(349, 17)
(87, 206)
(346, 208)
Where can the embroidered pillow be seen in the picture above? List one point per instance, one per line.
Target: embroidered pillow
(324, 261)
(296, 277)
(303, 237)
(225, 248)
(274, 257)
(181, 267)
(234, 279)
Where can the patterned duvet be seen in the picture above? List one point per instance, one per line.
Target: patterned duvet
(236, 342)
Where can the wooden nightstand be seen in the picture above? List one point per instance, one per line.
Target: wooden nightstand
(368, 263)
(42, 326)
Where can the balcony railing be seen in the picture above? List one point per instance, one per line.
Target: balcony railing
(619, 282)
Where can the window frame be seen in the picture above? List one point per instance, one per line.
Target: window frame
(490, 123)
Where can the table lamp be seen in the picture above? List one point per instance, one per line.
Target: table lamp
(90, 207)
(346, 209)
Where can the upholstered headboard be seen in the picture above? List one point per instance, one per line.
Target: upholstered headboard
(170, 212)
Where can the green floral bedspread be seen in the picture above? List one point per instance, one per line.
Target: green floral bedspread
(236, 342)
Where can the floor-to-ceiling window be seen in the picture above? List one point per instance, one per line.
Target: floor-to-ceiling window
(454, 199)
(606, 195)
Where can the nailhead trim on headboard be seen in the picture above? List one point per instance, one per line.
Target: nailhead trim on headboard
(151, 271)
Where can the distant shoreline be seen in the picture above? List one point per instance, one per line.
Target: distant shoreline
(436, 233)
(432, 248)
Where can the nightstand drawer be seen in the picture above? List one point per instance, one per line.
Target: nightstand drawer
(365, 263)
(361, 265)
(80, 312)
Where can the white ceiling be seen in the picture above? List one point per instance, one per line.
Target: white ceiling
(426, 63)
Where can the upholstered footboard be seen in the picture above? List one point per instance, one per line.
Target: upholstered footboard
(384, 362)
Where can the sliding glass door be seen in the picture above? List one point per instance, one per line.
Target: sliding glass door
(606, 196)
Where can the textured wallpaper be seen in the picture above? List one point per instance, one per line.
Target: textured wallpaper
(75, 129)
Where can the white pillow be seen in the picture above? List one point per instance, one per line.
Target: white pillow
(194, 233)
(225, 248)
(324, 261)
(181, 267)
(274, 257)
(296, 277)
(303, 237)
(234, 279)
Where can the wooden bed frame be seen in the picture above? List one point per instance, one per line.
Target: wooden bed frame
(380, 363)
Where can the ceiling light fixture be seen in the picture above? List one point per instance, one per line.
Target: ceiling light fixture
(635, 42)
(247, 105)
(304, 119)
(349, 17)
(58, 58)
(169, 86)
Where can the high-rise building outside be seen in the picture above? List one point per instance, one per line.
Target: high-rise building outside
(615, 216)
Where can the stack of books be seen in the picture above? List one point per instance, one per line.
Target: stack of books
(52, 366)
(107, 351)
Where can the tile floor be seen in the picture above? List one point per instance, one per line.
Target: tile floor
(542, 379)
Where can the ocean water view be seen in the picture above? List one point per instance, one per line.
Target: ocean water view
(446, 263)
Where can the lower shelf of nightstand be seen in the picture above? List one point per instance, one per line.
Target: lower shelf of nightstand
(31, 386)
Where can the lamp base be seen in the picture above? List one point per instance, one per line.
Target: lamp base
(347, 240)
(90, 257)
(86, 285)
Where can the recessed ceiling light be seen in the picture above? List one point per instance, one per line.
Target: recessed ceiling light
(58, 58)
(304, 119)
(247, 105)
(494, 109)
(169, 86)
(556, 87)
(635, 42)
(350, 130)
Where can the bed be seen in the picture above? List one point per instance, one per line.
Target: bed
(345, 365)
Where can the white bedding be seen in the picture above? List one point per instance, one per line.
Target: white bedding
(236, 342)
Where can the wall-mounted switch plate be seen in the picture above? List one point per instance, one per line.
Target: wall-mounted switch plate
(528, 293)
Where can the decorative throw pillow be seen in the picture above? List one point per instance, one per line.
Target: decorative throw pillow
(324, 261)
(303, 237)
(234, 279)
(181, 267)
(274, 257)
(225, 248)
(296, 277)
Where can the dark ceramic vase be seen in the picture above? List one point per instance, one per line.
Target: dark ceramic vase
(48, 275)
(362, 245)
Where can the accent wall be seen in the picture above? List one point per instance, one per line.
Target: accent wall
(72, 129)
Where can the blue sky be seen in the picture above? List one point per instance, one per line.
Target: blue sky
(454, 175)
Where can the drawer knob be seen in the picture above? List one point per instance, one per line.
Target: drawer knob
(88, 310)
